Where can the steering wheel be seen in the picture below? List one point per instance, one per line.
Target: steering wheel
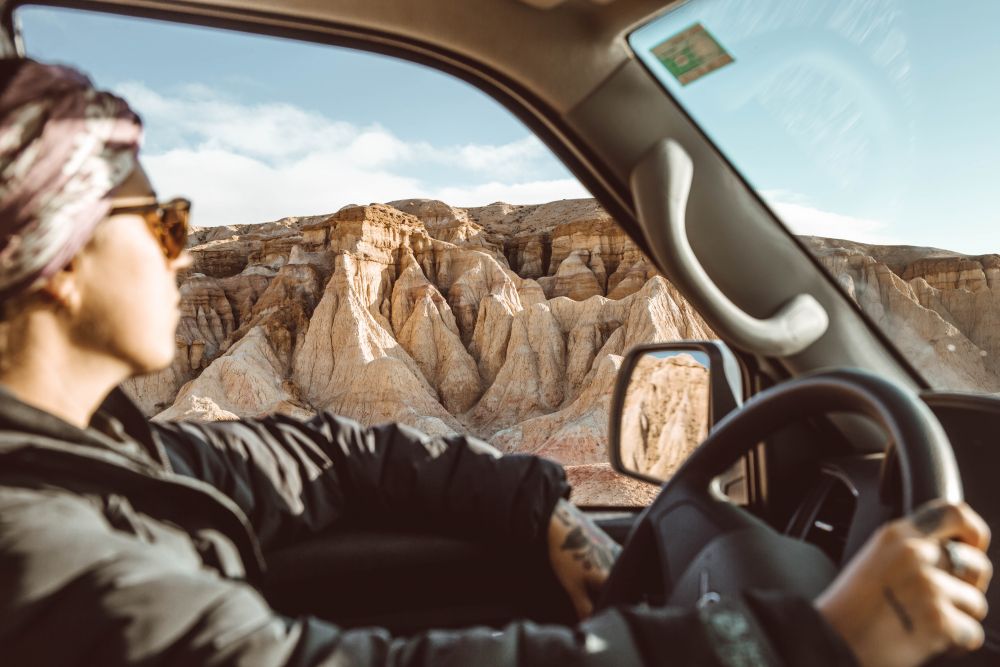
(692, 542)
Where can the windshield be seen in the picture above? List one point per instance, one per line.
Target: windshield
(868, 126)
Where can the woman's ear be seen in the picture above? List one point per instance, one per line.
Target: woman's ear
(63, 288)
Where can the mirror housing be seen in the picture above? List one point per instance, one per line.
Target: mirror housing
(722, 393)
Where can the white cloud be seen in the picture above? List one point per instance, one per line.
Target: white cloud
(196, 115)
(801, 217)
(504, 160)
(534, 192)
(228, 188)
(244, 163)
(253, 162)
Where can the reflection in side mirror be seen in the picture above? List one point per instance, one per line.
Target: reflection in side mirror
(667, 399)
(666, 411)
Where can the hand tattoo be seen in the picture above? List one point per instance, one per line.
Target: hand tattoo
(899, 609)
(588, 544)
(928, 519)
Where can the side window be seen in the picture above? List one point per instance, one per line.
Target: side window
(376, 239)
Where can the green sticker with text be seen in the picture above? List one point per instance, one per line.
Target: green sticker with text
(692, 54)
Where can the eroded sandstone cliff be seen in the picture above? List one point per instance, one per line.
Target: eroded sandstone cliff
(665, 413)
(508, 322)
(941, 308)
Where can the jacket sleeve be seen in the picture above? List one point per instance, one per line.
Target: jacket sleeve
(293, 478)
(81, 593)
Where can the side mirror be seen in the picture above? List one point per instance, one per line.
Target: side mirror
(667, 398)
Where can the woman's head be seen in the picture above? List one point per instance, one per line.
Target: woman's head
(80, 228)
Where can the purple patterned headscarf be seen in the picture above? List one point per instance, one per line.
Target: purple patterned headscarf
(64, 146)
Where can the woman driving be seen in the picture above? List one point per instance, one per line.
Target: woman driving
(124, 542)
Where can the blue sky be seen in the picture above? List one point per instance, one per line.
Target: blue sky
(872, 120)
(877, 118)
(254, 128)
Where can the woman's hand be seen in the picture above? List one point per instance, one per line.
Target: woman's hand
(915, 590)
(581, 555)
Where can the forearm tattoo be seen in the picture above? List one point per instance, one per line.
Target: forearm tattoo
(585, 541)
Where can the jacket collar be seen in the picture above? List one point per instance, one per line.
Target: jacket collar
(119, 448)
(118, 425)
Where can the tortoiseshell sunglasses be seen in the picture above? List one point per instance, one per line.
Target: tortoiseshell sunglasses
(168, 221)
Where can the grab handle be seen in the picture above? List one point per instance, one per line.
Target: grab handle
(661, 185)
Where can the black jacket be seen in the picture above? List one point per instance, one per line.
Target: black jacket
(135, 544)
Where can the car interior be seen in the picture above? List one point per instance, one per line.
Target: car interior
(832, 430)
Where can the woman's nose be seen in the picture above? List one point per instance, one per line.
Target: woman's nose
(182, 261)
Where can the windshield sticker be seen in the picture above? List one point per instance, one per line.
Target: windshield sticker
(691, 54)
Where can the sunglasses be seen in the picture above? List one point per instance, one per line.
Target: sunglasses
(167, 221)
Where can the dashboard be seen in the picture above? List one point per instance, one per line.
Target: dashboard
(852, 496)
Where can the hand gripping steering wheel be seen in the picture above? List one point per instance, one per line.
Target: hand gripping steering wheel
(692, 542)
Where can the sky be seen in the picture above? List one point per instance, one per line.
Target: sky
(871, 120)
(253, 128)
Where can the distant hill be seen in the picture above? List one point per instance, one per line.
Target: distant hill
(508, 322)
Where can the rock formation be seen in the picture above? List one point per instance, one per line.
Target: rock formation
(506, 322)
(665, 415)
(940, 308)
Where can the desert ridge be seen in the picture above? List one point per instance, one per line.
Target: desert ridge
(507, 322)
